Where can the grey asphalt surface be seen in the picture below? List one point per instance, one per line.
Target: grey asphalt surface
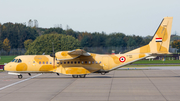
(122, 85)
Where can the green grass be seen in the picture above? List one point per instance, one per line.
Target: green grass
(6, 59)
(149, 65)
(156, 62)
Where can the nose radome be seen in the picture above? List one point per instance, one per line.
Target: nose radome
(6, 67)
(3, 68)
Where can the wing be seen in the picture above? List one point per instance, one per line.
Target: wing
(67, 55)
(79, 52)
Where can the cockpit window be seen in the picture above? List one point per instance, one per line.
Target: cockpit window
(13, 60)
(16, 60)
(19, 60)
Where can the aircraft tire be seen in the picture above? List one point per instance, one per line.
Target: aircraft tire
(20, 76)
(103, 73)
(75, 76)
(82, 76)
(29, 74)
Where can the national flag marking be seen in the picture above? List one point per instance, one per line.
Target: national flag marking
(158, 39)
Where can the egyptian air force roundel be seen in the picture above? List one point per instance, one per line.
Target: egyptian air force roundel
(122, 59)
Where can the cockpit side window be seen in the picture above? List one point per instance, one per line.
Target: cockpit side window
(19, 60)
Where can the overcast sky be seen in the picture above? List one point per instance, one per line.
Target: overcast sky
(138, 17)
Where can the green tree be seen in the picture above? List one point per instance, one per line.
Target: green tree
(176, 44)
(17, 34)
(1, 44)
(27, 43)
(116, 39)
(6, 45)
(61, 42)
(54, 30)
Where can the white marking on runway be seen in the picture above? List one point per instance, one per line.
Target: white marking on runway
(19, 82)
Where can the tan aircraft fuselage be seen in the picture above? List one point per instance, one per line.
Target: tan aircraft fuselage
(80, 65)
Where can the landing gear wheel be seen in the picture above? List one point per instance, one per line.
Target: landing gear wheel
(20, 76)
(82, 76)
(75, 76)
(29, 74)
(103, 73)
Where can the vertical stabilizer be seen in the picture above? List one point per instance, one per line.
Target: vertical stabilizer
(160, 41)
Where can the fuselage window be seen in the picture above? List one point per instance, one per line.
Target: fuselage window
(85, 62)
(43, 62)
(92, 62)
(68, 62)
(33, 61)
(78, 62)
(46, 62)
(82, 62)
(64, 62)
(99, 61)
(71, 62)
(61, 62)
(39, 62)
(96, 62)
(57, 62)
(74, 62)
(50, 62)
(13, 60)
(89, 62)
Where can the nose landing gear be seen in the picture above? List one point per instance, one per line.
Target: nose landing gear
(20, 76)
(29, 74)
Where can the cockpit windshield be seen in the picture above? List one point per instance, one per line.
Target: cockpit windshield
(13, 60)
(17, 60)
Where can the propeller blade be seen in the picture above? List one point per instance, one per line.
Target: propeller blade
(53, 55)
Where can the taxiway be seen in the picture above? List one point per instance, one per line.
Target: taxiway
(135, 85)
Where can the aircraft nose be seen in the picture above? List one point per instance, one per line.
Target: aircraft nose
(4, 67)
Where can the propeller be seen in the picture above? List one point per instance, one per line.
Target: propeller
(53, 55)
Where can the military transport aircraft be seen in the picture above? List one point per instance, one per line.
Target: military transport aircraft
(79, 63)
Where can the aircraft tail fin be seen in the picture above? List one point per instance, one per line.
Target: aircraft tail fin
(160, 41)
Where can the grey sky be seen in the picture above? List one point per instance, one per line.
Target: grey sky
(139, 17)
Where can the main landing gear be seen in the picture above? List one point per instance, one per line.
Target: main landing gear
(80, 76)
(20, 76)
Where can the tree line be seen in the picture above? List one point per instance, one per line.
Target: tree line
(22, 36)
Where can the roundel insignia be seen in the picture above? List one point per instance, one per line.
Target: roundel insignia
(122, 59)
